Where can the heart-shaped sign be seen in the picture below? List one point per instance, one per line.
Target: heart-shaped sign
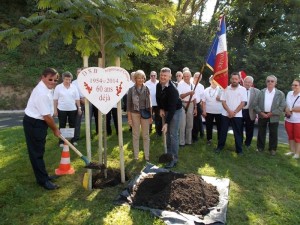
(104, 88)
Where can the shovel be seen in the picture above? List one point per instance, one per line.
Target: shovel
(166, 157)
(88, 164)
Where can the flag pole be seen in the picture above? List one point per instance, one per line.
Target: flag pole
(198, 78)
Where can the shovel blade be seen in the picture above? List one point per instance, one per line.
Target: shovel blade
(95, 166)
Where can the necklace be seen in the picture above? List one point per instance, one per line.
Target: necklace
(212, 94)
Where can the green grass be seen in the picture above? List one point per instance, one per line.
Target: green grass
(263, 189)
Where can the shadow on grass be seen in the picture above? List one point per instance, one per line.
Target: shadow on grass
(263, 189)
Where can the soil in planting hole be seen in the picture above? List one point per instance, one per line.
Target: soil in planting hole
(113, 178)
(187, 193)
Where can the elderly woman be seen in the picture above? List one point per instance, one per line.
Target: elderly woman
(66, 103)
(139, 113)
(212, 109)
(292, 119)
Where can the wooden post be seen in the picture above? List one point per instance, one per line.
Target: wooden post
(88, 129)
(120, 133)
(100, 134)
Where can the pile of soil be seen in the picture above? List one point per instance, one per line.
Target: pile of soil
(187, 193)
(113, 178)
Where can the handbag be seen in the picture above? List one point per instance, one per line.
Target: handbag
(288, 116)
(145, 113)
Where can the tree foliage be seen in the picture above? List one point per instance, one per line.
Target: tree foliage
(115, 26)
(263, 39)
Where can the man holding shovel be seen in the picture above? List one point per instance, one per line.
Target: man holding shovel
(37, 119)
(169, 104)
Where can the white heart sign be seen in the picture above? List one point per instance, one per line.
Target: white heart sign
(104, 88)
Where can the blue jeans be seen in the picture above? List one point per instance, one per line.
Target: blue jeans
(237, 127)
(173, 135)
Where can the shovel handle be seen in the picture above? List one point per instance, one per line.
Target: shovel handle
(164, 136)
(71, 146)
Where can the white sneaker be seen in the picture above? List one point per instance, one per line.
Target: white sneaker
(61, 145)
(75, 143)
(289, 153)
(296, 156)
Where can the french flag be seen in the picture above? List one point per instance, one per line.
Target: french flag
(217, 59)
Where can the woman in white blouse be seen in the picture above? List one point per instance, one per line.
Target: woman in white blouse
(292, 119)
(212, 109)
(66, 103)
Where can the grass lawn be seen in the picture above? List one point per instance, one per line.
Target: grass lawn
(263, 189)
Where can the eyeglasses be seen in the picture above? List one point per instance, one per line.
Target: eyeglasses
(152, 75)
(55, 80)
(270, 81)
(295, 85)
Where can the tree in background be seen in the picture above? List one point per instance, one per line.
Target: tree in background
(264, 39)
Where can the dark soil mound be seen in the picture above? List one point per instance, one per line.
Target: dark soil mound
(113, 178)
(187, 193)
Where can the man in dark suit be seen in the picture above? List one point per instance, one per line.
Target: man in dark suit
(249, 115)
(269, 105)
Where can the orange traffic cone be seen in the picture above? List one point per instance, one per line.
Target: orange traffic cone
(65, 162)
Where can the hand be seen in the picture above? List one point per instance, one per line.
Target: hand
(79, 112)
(204, 114)
(55, 112)
(195, 112)
(150, 120)
(57, 132)
(231, 114)
(165, 128)
(162, 113)
(191, 93)
(130, 122)
(269, 115)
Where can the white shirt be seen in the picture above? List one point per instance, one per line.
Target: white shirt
(290, 100)
(248, 99)
(199, 92)
(75, 83)
(213, 106)
(184, 88)
(152, 89)
(269, 96)
(66, 97)
(233, 98)
(40, 102)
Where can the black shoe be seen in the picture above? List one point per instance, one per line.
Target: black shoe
(181, 146)
(195, 140)
(50, 186)
(217, 151)
(53, 177)
(171, 165)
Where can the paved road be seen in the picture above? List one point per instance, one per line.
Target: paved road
(14, 118)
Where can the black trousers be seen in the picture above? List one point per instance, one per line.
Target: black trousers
(237, 127)
(197, 124)
(262, 133)
(157, 121)
(78, 124)
(114, 113)
(248, 124)
(94, 111)
(35, 133)
(63, 117)
(209, 121)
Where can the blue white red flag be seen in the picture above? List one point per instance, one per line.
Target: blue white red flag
(217, 59)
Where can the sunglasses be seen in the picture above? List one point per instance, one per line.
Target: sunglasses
(270, 81)
(55, 80)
